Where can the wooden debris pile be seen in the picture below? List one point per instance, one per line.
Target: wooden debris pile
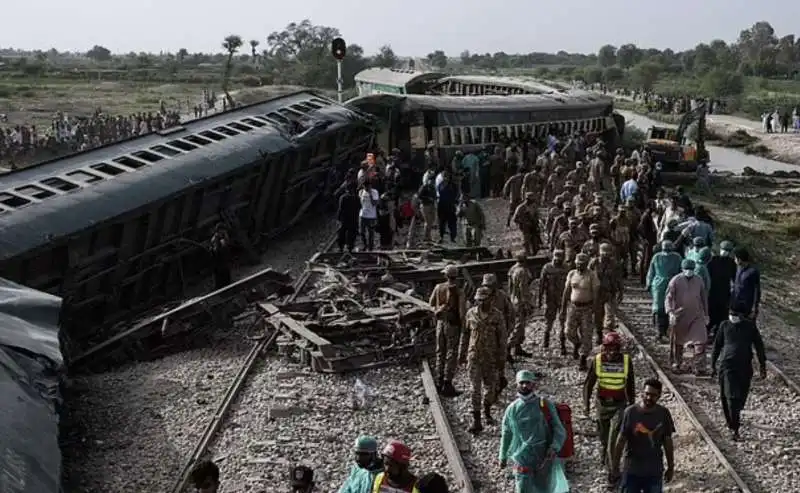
(369, 309)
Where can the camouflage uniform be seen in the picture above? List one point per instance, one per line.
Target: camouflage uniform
(608, 272)
(551, 288)
(527, 218)
(449, 303)
(571, 240)
(560, 225)
(519, 289)
(579, 318)
(512, 191)
(486, 333)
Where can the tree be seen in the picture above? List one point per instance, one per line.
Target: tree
(627, 55)
(437, 59)
(466, 57)
(253, 49)
(99, 53)
(722, 83)
(607, 56)
(593, 75)
(385, 57)
(181, 55)
(231, 44)
(645, 75)
(301, 55)
(612, 75)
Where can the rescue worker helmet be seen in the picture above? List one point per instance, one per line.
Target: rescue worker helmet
(397, 451)
(525, 376)
(612, 339)
(366, 444)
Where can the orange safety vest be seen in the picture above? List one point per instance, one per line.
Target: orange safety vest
(379, 486)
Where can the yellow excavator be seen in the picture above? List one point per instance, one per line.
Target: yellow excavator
(674, 149)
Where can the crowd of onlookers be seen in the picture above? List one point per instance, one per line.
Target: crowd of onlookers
(22, 144)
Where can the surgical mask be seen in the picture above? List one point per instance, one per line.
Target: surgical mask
(688, 273)
(526, 397)
(734, 319)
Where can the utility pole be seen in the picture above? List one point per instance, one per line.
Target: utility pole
(339, 50)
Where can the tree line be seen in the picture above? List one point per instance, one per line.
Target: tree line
(300, 55)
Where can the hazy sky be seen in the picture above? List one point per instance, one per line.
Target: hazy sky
(411, 27)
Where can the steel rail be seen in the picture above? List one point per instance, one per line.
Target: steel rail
(213, 427)
(662, 375)
(451, 451)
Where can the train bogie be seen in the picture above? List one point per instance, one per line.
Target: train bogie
(119, 229)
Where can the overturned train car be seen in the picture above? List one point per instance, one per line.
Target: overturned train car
(119, 229)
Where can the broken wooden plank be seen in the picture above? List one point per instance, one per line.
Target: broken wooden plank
(323, 345)
(407, 298)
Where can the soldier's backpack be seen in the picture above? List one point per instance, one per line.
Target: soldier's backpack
(565, 415)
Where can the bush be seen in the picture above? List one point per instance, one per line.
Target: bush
(250, 81)
(633, 138)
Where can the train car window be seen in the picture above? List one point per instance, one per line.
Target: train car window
(227, 131)
(466, 134)
(184, 146)
(13, 201)
(313, 105)
(274, 121)
(290, 114)
(59, 184)
(239, 126)
(167, 151)
(35, 192)
(107, 169)
(282, 120)
(477, 135)
(83, 177)
(444, 136)
(147, 156)
(212, 135)
(321, 102)
(196, 139)
(254, 122)
(129, 162)
(299, 108)
(457, 140)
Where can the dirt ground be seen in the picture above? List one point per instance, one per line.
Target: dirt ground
(31, 103)
(763, 214)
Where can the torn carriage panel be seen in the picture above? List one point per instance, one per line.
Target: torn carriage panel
(30, 378)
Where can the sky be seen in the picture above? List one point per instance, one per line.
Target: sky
(411, 27)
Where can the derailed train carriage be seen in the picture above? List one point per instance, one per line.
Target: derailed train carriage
(467, 113)
(119, 229)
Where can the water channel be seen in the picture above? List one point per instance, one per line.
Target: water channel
(722, 159)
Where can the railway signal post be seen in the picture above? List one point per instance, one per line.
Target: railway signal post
(339, 50)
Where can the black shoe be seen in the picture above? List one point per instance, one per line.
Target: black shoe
(575, 354)
(448, 390)
(563, 347)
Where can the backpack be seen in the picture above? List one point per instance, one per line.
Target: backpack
(565, 415)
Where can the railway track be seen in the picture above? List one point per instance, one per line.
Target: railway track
(767, 459)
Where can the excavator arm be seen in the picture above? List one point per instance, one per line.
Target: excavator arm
(699, 115)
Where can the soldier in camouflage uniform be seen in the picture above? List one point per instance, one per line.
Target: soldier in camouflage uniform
(560, 224)
(551, 288)
(619, 232)
(449, 304)
(555, 183)
(527, 218)
(581, 199)
(578, 305)
(633, 215)
(502, 302)
(571, 240)
(532, 182)
(592, 246)
(485, 328)
(519, 290)
(611, 288)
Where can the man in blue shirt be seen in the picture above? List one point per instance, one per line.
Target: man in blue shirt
(628, 189)
(746, 292)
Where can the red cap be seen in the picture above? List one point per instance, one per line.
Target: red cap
(397, 451)
(612, 339)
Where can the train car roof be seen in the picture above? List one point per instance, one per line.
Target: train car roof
(532, 86)
(521, 103)
(395, 77)
(100, 196)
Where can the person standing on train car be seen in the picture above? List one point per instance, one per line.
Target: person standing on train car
(733, 349)
(220, 247)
